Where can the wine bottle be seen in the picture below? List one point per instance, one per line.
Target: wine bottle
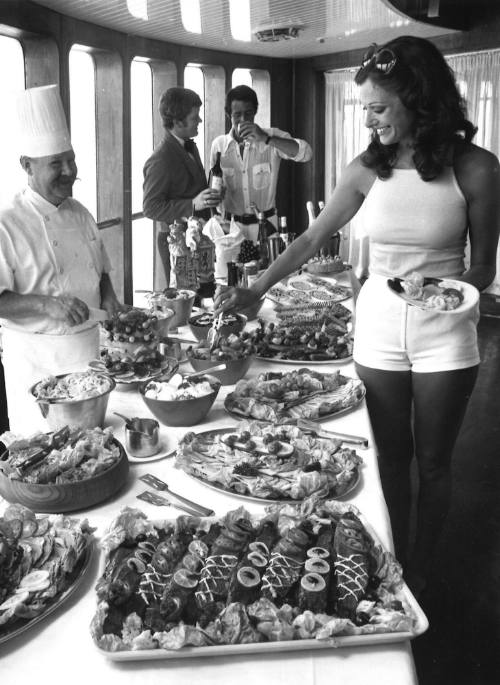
(263, 242)
(232, 274)
(310, 211)
(215, 175)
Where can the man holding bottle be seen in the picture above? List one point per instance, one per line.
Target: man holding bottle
(175, 185)
(250, 158)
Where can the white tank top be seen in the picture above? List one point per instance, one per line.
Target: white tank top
(416, 225)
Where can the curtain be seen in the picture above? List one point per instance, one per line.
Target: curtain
(345, 137)
(478, 76)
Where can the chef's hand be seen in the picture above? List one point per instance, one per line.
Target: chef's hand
(207, 198)
(68, 309)
(232, 300)
(113, 306)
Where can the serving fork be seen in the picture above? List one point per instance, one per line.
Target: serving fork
(158, 484)
(160, 501)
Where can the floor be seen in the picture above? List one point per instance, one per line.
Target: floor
(462, 601)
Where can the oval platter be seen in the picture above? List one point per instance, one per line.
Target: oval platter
(253, 498)
(77, 576)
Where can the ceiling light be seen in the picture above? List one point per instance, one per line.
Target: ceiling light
(278, 30)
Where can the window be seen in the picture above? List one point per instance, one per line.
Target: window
(12, 177)
(194, 79)
(191, 15)
(241, 77)
(83, 125)
(141, 129)
(239, 18)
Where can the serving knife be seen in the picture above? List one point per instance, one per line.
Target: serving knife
(322, 433)
(158, 484)
(160, 501)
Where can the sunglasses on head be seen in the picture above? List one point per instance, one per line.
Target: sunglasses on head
(383, 59)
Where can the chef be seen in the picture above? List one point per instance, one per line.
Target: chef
(54, 270)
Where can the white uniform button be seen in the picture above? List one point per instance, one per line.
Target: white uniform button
(61, 270)
(54, 243)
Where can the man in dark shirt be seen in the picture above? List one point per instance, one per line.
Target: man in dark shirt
(175, 185)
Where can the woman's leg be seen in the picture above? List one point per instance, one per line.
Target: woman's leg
(389, 402)
(440, 401)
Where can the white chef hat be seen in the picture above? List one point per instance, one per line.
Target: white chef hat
(42, 123)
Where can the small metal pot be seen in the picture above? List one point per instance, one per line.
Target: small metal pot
(142, 437)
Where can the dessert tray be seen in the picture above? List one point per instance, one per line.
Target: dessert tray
(265, 462)
(284, 397)
(308, 577)
(307, 290)
(44, 559)
(439, 295)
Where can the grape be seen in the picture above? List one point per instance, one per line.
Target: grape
(249, 251)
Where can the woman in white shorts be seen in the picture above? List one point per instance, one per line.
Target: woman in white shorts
(426, 189)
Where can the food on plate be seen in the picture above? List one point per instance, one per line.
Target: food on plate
(39, 556)
(64, 457)
(207, 319)
(270, 462)
(437, 294)
(303, 393)
(307, 290)
(325, 264)
(318, 314)
(323, 340)
(233, 346)
(141, 364)
(80, 385)
(132, 326)
(243, 579)
(178, 388)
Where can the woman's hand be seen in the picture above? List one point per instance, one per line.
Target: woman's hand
(233, 300)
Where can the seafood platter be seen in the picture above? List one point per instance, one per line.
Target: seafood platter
(282, 397)
(270, 463)
(42, 561)
(309, 290)
(72, 468)
(307, 577)
(435, 294)
(327, 339)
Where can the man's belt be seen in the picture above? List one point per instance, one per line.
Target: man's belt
(248, 218)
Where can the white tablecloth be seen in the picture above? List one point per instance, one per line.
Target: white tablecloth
(59, 649)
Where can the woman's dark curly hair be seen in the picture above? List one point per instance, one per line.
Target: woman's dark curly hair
(426, 86)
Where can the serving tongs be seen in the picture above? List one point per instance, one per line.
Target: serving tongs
(313, 427)
(213, 332)
(57, 440)
(158, 484)
(160, 501)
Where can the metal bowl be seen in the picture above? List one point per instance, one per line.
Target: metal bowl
(87, 413)
(181, 307)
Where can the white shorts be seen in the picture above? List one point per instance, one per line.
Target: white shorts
(394, 336)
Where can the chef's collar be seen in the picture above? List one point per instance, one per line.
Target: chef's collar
(40, 203)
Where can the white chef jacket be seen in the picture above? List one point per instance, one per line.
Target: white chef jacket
(47, 250)
(254, 177)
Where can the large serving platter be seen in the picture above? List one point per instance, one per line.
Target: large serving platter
(346, 641)
(75, 579)
(301, 362)
(250, 401)
(308, 290)
(469, 292)
(192, 462)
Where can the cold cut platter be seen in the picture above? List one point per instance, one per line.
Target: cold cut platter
(284, 397)
(308, 290)
(308, 577)
(43, 561)
(265, 462)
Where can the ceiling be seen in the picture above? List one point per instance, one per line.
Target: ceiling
(327, 25)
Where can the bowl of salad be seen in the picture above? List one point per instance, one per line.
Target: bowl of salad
(236, 351)
(77, 400)
(201, 323)
(181, 401)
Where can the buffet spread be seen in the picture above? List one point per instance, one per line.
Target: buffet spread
(304, 570)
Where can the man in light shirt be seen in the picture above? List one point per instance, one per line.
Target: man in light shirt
(250, 160)
(54, 270)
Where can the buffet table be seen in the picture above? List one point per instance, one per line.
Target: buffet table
(59, 648)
